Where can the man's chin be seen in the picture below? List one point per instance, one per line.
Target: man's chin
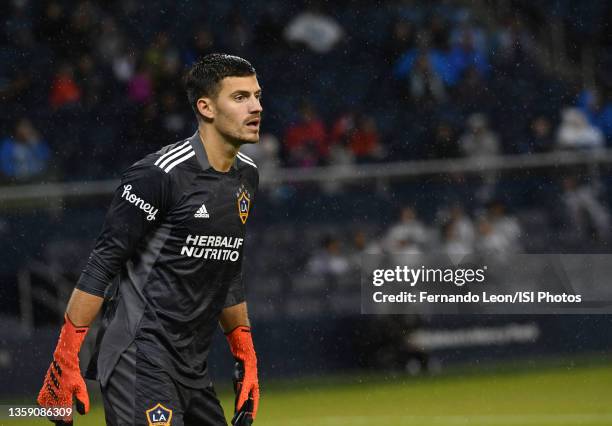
(248, 140)
(239, 138)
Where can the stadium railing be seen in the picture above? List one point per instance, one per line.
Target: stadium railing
(346, 173)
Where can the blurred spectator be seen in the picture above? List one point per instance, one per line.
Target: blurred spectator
(162, 66)
(16, 18)
(306, 141)
(358, 241)
(140, 87)
(513, 46)
(169, 76)
(26, 154)
(53, 25)
(439, 32)
(64, 90)
(407, 252)
(444, 142)
(356, 249)
(505, 225)
(343, 128)
(339, 155)
(575, 132)
(401, 40)
(124, 65)
(201, 44)
(237, 39)
(360, 244)
(408, 233)
(452, 242)
(463, 228)
(364, 251)
(315, 29)
(365, 141)
(480, 142)
(358, 132)
(492, 242)
(472, 93)
(90, 80)
(464, 55)
(540, 137)
(329, 260)
(467, 32)
(155, 54)
(110, 41)
(425, 85)
(438, 62)
(79, 34)
(587, 217)
(598, 110)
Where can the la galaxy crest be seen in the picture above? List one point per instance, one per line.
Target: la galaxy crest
(244, 203)
(159, 416)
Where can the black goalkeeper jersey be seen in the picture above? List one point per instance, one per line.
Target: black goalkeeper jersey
(172, 243)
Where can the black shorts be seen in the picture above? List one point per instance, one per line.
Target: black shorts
(140, 393)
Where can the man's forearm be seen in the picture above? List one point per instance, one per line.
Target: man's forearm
(233, 317)
(83, 308)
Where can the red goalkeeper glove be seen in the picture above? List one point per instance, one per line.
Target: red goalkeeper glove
(63, 379)
(246, 385)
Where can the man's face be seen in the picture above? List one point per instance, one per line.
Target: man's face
(237, 109)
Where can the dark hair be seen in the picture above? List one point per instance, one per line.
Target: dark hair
(204, 76)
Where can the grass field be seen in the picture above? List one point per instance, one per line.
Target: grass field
(563, 395)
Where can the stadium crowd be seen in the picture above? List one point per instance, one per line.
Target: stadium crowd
(89, 87)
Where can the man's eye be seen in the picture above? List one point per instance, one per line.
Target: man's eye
(238, 98)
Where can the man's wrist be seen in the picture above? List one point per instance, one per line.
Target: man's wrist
(241, 344)
(73, 326)
(239, 328)
(71, 339)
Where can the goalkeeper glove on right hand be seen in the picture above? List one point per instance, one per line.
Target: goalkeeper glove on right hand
(246, 383)
(63, 379)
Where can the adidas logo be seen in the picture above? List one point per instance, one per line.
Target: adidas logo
(202, 213)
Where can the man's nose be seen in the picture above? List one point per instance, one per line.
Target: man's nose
(255, 106)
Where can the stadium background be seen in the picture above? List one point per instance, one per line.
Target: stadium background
(388, 126)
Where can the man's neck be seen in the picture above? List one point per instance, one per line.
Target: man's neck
(220, 152)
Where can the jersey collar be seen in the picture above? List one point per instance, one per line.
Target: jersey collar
(200, 152)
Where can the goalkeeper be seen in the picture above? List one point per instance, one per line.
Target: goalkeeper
(168, 267)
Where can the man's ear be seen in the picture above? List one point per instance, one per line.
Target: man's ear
(206, 108)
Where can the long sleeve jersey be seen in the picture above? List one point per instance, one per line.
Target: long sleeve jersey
(172, 245)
